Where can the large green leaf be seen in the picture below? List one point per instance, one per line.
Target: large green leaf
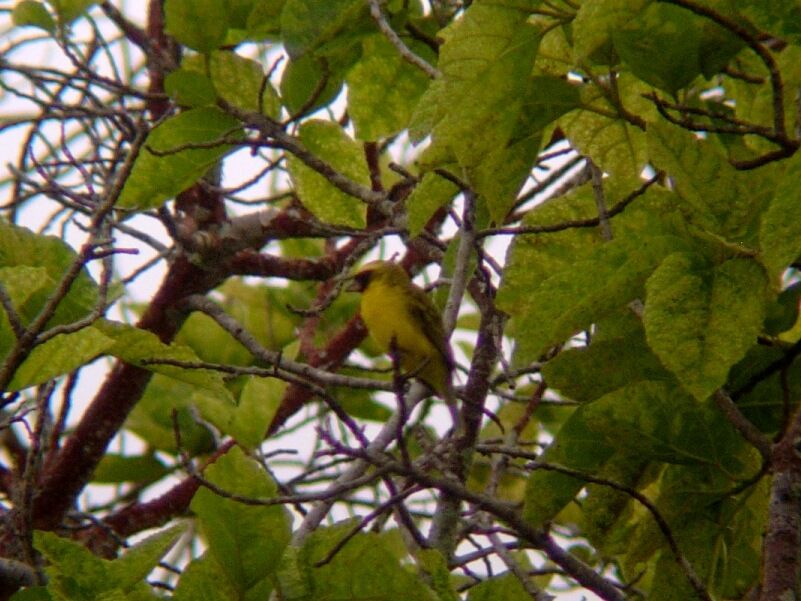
(590, 289)
(383, 89)
(308, 25)
(187, 146)
(662, 423)
(200, 24)
(429, 195)
(139, 560)
(152, 418)
(595, 24)
(76, 574)
(718, 199)
(605, 365)
(532, 258)
(486, 62)
(661, 46)
(612, 143)
(69, 10)
(247, 541)
(367, 567)
(30, 12)
(26, 254)
(700, 319)
(329, 142)
(204, 580)
(780, 228)
(575, 446)
(505, 587)
(248, 421)
(60, 355)
(144, 349)
(240, 81)
(141, 469)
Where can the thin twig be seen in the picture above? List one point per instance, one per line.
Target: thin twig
(394, 39)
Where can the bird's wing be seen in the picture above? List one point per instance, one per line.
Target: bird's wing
(424, 311)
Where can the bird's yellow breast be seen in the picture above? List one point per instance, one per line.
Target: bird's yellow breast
(394, 310)
(386, 314)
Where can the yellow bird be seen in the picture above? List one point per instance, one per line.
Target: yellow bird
(400, 315)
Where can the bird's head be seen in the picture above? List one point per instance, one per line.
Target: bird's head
(385, 271)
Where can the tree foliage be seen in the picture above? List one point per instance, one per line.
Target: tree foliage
(627, 375)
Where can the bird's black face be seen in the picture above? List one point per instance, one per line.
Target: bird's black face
(360, 281)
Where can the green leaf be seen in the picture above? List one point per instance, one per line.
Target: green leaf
(190, 88)
(659, 422)
(430, 194)
(700, 319)
(156, 178)
(505, 587)
(30, 12)
(605, 365)
(595, 24)
(367, 567)
(607, 514)
(143, 349)
(661, 46)
(152, 418)
(199, 24)
(780, 228)
(74, 572)
(248, 421)
(239, 11)
(258, 403)
(239, 81)
(435, 567)
(486, 62)
(262, 310)
(329, 142)
(532, 258)
(779, 16)
(141, 469)
(719, 199)
(307, 25)
(20, 283)
(500, 174)
(575, 446)
(499, 177)
(204, 580)
(723, 544)
(246, 540)
(60, 355)
(308, 80)
(20, 247)
(613, 144)
(383, 88)
(718, 46)
(264, 19)
(138, 561)
(573, 299)
(69, 10)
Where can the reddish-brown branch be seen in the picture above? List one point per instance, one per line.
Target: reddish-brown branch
(250, 262)
(160, 43)
(66, 473)
(104, 538)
